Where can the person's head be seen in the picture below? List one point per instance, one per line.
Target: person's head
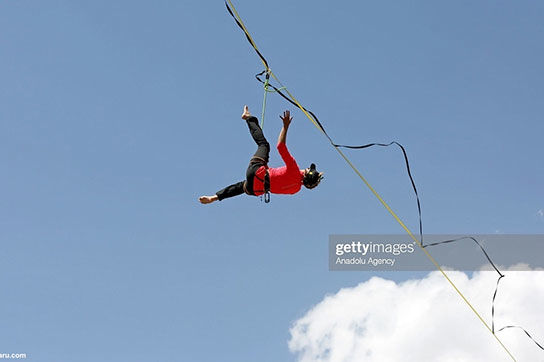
(312, 177)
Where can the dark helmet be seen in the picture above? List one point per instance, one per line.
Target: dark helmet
(312, 178)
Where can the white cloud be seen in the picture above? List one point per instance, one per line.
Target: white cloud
(424, 320)
(540, 213)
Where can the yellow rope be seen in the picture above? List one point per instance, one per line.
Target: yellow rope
(397, 218)
(245, 30)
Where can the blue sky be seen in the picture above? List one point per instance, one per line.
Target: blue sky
(115, 117)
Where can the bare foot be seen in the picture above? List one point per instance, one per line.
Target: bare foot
(246, 113)
(207, 199)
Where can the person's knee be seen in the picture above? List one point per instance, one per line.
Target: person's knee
(264, 148)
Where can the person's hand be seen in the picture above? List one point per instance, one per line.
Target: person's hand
(286, 118)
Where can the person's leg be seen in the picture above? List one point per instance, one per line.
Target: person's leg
(263, 147)
(254, 165)
(231, 191)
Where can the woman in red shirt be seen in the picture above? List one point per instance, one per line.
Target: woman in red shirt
(260, 179)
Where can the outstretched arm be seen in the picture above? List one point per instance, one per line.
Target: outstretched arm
(282, 147)
(286, 118)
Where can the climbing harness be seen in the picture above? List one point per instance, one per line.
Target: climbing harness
(266, 185)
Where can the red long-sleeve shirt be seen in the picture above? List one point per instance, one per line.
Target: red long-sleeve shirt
(283, 180)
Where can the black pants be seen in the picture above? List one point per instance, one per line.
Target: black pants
(259, 159)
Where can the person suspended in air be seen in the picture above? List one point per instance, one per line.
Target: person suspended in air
(262, 180)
